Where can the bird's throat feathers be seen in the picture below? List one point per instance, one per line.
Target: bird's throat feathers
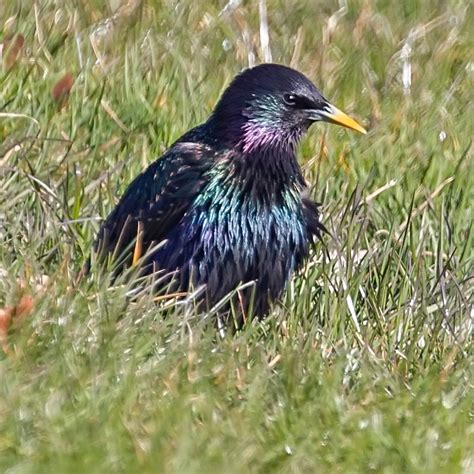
(259, 150)
(257, 136)
(254, 136)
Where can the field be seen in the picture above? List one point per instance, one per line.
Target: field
(364, 365)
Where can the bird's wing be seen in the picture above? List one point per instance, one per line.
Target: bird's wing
(155, 201)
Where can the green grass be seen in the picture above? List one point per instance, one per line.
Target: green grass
(365, 363)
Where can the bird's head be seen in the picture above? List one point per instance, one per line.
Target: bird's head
(273, 105)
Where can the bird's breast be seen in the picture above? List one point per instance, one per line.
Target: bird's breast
(231, 238)
(239, 231)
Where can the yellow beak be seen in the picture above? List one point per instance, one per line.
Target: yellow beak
(332, 114)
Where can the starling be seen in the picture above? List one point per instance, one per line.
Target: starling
(227, 204)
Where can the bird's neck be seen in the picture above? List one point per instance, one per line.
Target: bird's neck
(260, 157)
(251, 136)
(265, 174)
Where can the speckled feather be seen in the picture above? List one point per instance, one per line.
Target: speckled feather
(227, 204)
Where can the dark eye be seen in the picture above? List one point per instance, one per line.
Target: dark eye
(289, 99)
(299, 101)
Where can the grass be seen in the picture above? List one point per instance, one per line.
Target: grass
(365, 364)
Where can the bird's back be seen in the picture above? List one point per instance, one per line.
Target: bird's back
(156, 199)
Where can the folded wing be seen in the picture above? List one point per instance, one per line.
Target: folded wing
(155, 202)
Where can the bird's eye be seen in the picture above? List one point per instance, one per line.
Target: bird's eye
(289, 99)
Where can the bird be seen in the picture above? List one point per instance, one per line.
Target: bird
(227, 205)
